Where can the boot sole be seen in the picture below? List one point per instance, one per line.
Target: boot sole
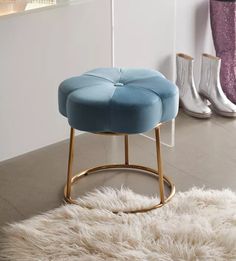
(195, 114)
(214, 108)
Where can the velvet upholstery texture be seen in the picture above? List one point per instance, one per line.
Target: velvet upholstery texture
(118, 100)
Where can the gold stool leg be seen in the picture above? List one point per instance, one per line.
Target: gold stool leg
(159, 164)
(126, 150)
(70, 164)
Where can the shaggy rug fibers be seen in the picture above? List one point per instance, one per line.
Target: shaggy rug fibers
(195, 225)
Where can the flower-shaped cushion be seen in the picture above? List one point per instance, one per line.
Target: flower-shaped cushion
(118, 100)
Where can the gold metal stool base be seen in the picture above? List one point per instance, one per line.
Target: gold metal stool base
(147, 170)
(157, 173)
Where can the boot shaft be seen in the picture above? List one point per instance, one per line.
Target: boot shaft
(184, 65)
(210, 71)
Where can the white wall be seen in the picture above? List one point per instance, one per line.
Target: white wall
(193, 32)
(144, 34)
(37, 51)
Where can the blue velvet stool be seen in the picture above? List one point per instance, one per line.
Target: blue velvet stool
(116, 101)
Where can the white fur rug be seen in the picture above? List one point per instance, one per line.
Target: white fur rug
(195, 225)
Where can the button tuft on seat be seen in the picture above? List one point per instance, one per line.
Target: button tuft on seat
(119, 84)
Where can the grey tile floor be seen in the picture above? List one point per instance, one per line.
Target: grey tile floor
(204, 155)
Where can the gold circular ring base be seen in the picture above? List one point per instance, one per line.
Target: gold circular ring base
(146, 170)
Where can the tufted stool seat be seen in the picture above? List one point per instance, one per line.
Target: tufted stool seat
(119, 102)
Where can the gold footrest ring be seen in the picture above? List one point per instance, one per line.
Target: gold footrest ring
(147, 170)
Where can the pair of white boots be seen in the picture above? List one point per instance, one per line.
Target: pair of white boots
(195, 102)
